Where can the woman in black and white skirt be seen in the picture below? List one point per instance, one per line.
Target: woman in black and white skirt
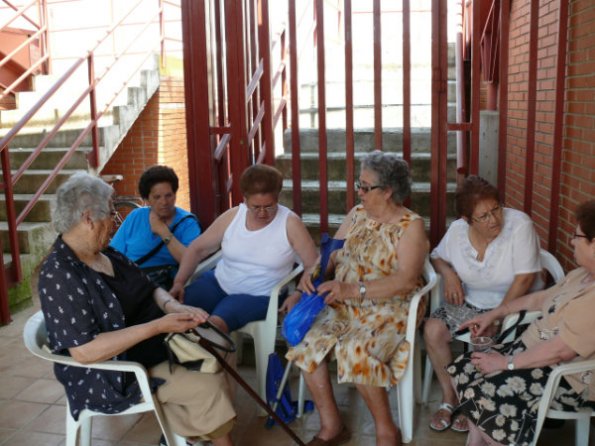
(500, 391)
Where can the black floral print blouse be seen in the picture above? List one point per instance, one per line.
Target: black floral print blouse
(78, 305)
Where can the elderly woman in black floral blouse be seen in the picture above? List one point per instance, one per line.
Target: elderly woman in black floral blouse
(98, 305)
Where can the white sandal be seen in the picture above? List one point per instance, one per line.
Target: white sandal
(444, 424)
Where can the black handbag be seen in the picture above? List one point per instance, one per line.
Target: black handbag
(161, 275)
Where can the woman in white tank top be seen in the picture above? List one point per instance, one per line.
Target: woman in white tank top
(260, 241)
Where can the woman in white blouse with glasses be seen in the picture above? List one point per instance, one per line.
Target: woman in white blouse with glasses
(488, 257)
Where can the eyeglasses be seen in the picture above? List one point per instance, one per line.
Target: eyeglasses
(366, 189)
(575, 235)
(483, 218)
(267, 209)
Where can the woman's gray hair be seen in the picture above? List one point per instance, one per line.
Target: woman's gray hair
(81, 192)
(392, 172)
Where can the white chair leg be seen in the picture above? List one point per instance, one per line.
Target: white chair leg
(417, 372)
(78, 429)
(581, 436)
(85, 432)
(301, 395)
(406, 406)
(428, 373)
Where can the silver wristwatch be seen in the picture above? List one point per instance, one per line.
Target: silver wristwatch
(510, 363)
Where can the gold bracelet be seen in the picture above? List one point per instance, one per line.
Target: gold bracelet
(166, 302)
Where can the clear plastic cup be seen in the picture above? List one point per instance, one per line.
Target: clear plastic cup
(481, 344)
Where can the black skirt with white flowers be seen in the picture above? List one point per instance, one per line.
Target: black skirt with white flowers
(504, 405)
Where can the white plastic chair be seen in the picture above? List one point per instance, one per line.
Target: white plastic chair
(545, 411)
(582, 417)
(35, 338)
(548, 263)
(263, 332)
(408, 389)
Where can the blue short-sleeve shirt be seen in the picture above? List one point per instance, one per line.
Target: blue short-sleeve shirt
(134, 238)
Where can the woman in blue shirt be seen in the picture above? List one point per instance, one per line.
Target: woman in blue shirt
(161, 223)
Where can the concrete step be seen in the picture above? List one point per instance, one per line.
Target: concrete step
(41, 211)
(363, 91)
(49, 158)
(337, 196)
(421, 139)
(337, 165)
(33, 237)
(363, 115)
(33, 179)
(32, 136)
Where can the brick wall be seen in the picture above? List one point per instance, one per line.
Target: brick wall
(578, 156)
(577, 180)
(157, 137)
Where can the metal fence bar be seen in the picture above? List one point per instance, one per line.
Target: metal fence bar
(475, 89)
(531, 108)
(377, 76)
(349, 130)
(558, 125)
(503, 95)
(296, 167)
(322, 137)
(439, 118)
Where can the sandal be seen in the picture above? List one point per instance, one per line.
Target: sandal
(460, 424)
(442, 418)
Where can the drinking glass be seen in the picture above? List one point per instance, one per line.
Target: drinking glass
(481, 344)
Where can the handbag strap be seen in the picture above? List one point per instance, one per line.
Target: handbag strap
(153, 251)
(513, 327)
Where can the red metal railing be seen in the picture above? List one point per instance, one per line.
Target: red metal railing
(10, 179)
(240, 125)
(37, 20)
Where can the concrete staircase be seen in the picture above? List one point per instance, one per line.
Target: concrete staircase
(36, 234)
(337, 186)
(392, 140)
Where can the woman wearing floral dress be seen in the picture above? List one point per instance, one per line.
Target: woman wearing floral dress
(364, 324)
(500, 391)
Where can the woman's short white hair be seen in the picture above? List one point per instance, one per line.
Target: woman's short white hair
(81, 192)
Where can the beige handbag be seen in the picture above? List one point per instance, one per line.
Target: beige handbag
(184, 349)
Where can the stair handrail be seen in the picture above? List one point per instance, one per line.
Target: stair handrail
(12, 133)
(41, 34)
(10, 180)
(20, 13)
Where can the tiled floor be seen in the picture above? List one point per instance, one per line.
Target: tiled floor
(32, 410)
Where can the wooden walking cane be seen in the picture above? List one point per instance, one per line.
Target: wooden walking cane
(210, 347)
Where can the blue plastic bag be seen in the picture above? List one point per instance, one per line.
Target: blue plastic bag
(299, 320)
(286, 408)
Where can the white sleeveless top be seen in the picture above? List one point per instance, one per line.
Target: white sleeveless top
(253, 262)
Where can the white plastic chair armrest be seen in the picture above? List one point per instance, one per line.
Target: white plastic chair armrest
(431, 279)
(274, 300)
(206, 265)
(553, 381)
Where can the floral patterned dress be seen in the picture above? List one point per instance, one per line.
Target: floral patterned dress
(368, 336)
